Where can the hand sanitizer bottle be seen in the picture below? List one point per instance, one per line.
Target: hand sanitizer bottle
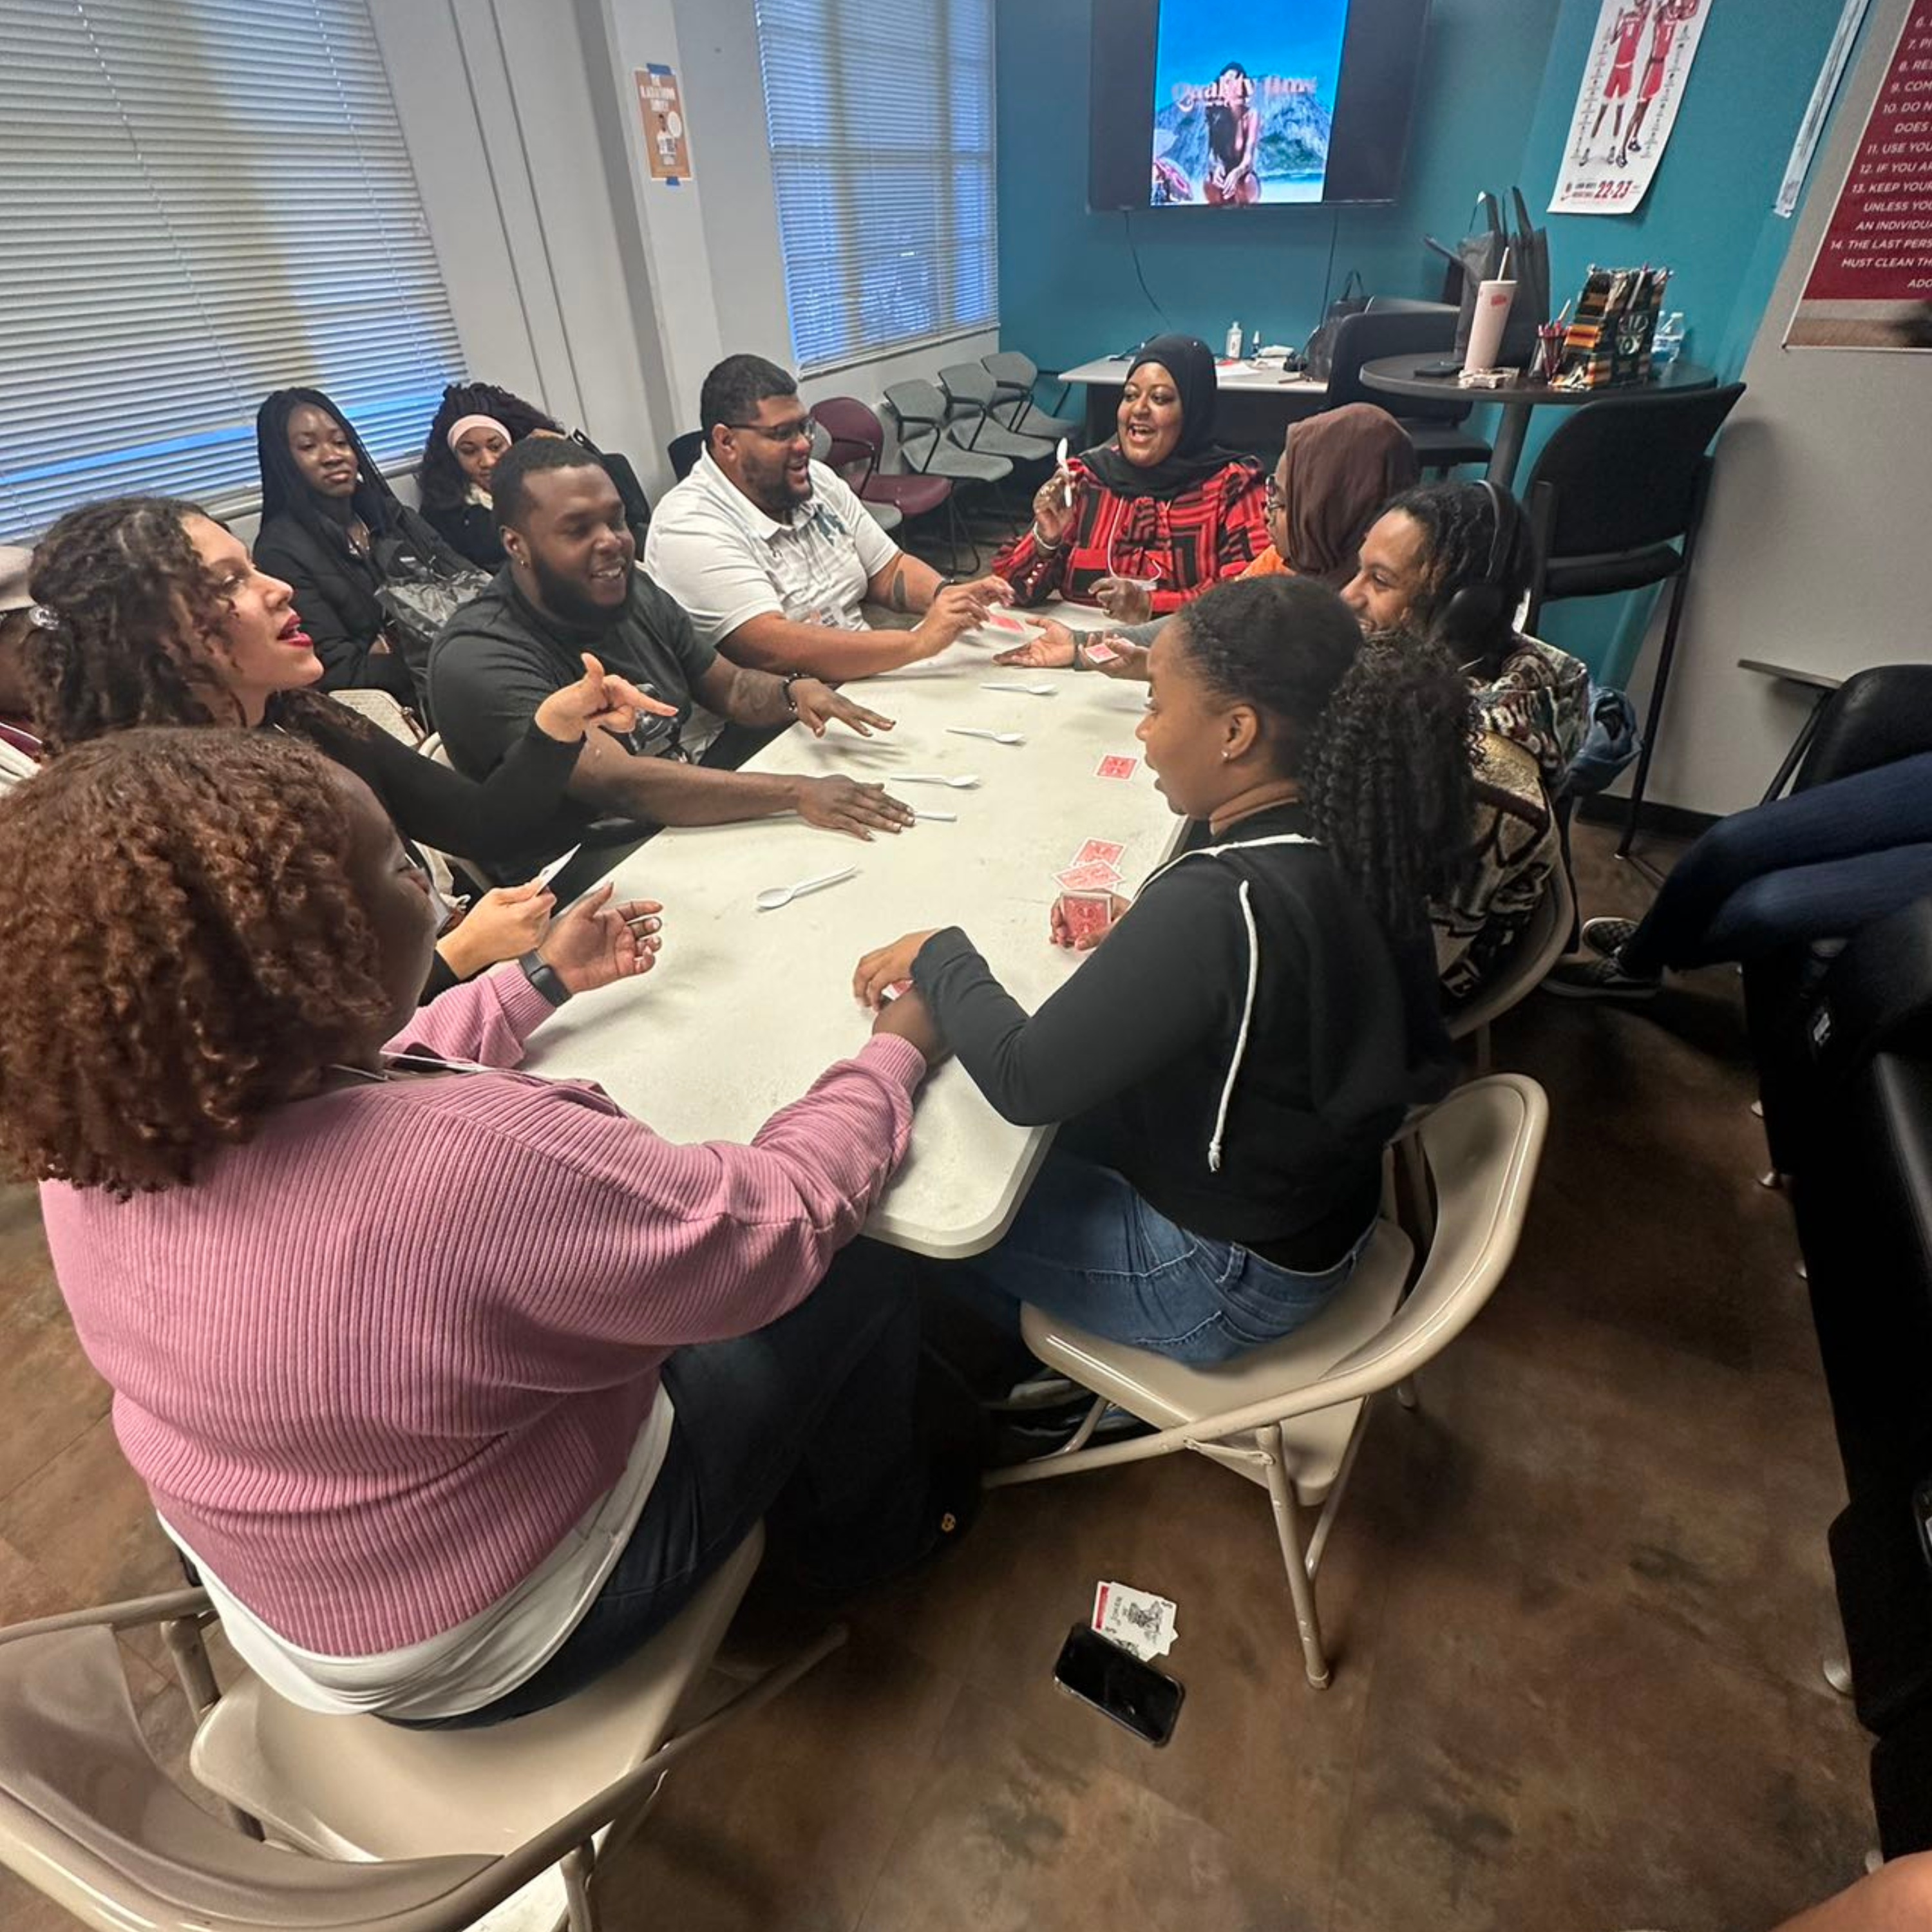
(1233, 344)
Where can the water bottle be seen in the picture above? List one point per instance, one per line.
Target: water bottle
(1234, 343)
(1667, 344)
(1254, 346)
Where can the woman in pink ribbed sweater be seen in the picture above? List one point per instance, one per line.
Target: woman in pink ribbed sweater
(452, 1383)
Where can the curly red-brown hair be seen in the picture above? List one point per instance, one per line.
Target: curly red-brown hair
(184, 951)
(129, 631)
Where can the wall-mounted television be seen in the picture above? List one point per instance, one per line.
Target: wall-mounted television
(1210, 105)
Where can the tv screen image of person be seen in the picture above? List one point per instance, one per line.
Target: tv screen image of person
(1244, 102)
(1208, 105)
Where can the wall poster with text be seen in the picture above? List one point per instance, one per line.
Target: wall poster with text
(1870, 284)
(1639, 64)
(666, 138)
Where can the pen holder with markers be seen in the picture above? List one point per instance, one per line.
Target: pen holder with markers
(1609, 342)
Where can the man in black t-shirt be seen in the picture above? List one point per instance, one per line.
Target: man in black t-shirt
(571, 586)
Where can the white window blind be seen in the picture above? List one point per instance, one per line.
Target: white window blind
(880, 114)
(201, 200)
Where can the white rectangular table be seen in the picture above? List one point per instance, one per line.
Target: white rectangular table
(745, 1009)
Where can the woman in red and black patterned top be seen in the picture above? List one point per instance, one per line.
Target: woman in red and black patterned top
(1161, 502)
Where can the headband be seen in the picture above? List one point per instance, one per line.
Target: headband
(463, 425)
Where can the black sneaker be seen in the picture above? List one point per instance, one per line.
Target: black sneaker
(1604, 937)
(1584, 978)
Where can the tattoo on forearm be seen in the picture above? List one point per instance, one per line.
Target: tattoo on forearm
(898, 598)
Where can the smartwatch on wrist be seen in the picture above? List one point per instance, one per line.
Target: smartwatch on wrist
(547, 979)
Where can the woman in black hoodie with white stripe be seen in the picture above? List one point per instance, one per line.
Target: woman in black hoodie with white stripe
(1230, 1064)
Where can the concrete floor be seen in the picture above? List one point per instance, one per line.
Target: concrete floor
(1577, 1603)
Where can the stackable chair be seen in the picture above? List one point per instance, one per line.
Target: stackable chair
(1615, 501)
(1438, 429)
(969, 396)
(1543, 941)
(338, 1824)
(683, 451)
(930, 444)
(858, 450)
(1013, 377)
(1289, 1416)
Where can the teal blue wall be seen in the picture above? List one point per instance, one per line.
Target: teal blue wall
(1067, 289)
(1499, 82)
(1707, 215)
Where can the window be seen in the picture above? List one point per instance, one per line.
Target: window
(881, 114)
(203, 200)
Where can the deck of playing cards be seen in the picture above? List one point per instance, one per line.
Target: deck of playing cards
(1087, 886)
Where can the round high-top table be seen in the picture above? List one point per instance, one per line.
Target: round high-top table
(1395, 375)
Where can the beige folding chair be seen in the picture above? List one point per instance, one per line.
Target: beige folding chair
(344, 1823)
(1290, 1416)
(1542, 944)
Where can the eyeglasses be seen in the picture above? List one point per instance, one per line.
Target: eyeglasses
(1272, 497)
(805, 427)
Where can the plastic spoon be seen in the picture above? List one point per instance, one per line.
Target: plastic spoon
(1031, 690)
(997, 737)
(1067, 481)
(772, 897)
(963, 784)
(944, 817)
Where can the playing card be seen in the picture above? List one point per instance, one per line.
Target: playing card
(1006, 622)
(892, 991)
(1095, 876)
(1117, 765)
(1137, 1620)
(1107, 851)
(1087, 915)
(1100, 652)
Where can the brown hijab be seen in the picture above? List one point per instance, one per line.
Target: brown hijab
(1342, 466)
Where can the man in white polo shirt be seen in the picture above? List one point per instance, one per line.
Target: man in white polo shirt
(771, 554)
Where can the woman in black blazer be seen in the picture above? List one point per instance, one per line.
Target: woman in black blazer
(333, 528)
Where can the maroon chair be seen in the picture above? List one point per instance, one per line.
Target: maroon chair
(852, 428)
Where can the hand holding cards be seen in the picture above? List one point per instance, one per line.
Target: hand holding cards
(1087, 907)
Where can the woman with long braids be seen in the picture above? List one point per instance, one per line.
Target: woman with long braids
(1231, 1062)
(334, 529)
(148, 612)
(473, 425)
(1450, 562)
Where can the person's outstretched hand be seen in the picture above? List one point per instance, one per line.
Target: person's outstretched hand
(599, 700)
(595, 942)
(1050, 648)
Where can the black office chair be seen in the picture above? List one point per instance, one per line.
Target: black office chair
(684, 450)
(1435, 428)
(1615, 501)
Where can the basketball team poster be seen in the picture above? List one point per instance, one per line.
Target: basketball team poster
(1243, 102)
(1639, 66)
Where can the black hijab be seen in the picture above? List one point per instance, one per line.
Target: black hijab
(1191, 363)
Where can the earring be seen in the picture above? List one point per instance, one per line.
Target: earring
(1225, 754)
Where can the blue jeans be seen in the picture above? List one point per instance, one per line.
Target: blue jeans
(1086, 1247)
(1818, 864)
(810, 1424)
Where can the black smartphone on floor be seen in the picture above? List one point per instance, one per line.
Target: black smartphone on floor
(1134, 1694)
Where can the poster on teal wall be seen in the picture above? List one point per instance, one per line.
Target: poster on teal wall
(1639, 64)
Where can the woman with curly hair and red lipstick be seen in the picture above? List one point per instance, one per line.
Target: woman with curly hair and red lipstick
(148, 612)
(453, 1383)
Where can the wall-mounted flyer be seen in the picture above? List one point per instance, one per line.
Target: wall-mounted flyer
(1640, 64)
(1870, 284)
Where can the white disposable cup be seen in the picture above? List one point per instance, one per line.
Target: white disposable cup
(1486, 331)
